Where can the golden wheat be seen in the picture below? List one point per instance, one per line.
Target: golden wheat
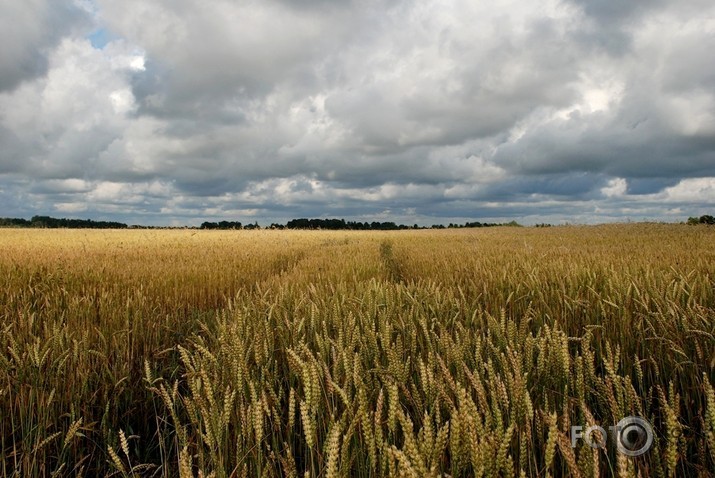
(411, 353)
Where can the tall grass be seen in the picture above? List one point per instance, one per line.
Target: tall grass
(415, 353)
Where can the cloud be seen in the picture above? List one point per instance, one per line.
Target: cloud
(57, 126)
(28, 31)
(616, 187)
(692, 190)
(183, 110)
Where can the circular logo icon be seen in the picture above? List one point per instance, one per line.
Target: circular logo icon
(634, 436)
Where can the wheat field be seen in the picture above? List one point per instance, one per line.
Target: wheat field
(455, 353)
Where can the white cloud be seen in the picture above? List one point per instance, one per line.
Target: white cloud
(122, 101)
(695, 190)
(70, 207)
(616, 187)
(72, 185)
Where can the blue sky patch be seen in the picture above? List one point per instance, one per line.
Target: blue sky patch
(101, 37)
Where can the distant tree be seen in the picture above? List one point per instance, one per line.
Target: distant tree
(14, 222)
(224, 225)
(705, 219)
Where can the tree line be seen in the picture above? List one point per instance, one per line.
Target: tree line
(54, 223)
(303, 223)
(343, 225)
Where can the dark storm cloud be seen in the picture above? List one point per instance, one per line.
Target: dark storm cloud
(640, 186)
(612, 22)
(616, 11)
(644, 149)
(574, 186)
(12, 155)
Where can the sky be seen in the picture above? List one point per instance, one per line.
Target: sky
(173, 112)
